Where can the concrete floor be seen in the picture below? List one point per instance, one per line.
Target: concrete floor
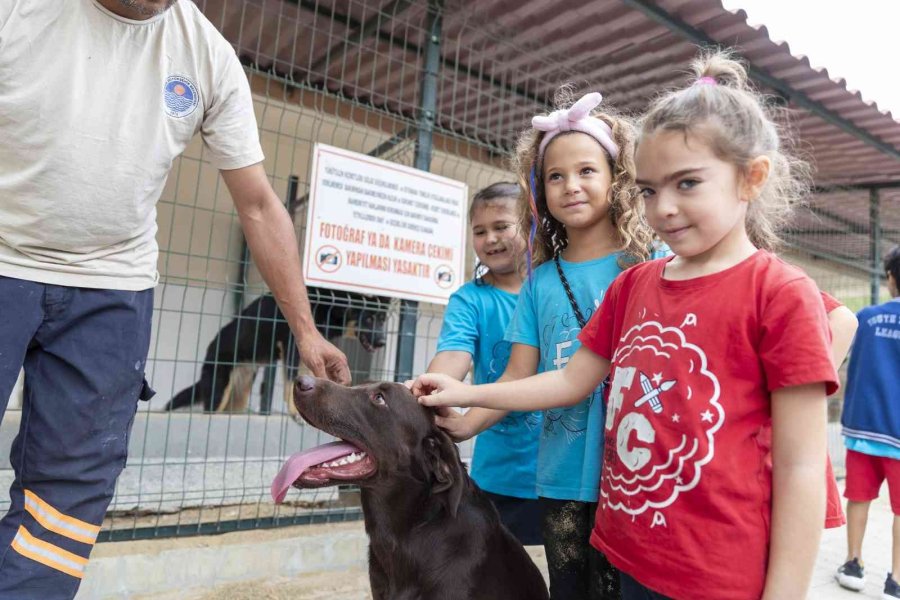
(876, 555)
(328, 561)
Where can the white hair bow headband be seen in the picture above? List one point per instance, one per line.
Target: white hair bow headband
(576, 118)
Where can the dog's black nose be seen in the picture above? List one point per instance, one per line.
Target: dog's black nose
(305, 383)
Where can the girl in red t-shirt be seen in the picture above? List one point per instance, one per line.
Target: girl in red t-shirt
(577, 165)
(711, 486)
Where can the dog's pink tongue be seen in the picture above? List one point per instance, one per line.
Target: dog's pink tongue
(295, 465)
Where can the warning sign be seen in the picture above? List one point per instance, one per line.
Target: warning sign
(376, 227)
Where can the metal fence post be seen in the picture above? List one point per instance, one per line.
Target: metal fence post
(875, 243)
(406, 335)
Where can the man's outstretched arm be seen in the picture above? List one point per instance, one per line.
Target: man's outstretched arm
(273, 245)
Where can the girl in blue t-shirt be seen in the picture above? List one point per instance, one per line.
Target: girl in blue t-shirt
(505, 458)
(578, 169)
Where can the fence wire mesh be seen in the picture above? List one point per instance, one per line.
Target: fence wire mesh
(349, 74)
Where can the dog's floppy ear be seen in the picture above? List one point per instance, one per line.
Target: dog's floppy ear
(447, 474)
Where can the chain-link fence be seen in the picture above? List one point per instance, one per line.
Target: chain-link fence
(839, 239)
(397, 81)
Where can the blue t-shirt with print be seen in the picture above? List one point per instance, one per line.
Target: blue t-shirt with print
(571, 445)
(505, 457)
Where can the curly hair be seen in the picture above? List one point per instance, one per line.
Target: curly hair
(739, 125)
(626, 208)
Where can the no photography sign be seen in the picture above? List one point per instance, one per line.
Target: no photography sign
(376, 227)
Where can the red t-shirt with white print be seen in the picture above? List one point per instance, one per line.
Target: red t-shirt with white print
(686, 488)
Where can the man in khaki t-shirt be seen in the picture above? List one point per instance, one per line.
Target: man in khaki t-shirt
(97, 98)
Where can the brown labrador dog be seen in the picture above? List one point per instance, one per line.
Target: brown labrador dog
(433, 535)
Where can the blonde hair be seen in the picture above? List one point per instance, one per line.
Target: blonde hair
(728, 114)
(626, 208)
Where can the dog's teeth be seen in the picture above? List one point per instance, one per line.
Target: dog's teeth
(347, 460)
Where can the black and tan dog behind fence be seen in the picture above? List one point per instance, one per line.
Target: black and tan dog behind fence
(433, 534)
(260, 336)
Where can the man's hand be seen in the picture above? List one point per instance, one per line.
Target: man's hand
(270, 236)
(323, 358)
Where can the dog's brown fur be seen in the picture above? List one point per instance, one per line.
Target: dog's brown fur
(433, 534)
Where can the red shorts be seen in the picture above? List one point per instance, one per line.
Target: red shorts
(865, 474)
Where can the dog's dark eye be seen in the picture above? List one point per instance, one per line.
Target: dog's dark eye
(378, 399)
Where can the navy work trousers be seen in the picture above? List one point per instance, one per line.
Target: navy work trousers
(84, 353)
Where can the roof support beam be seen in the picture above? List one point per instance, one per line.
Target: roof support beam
(835, 232)
(847, 261)
(783, 88)
(850, 187)
(455, 66)
(851, 225)
(361, 32)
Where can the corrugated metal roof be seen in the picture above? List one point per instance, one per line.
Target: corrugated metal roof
(837, 224)
(502, 60)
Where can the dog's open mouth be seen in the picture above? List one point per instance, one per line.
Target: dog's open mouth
(321, 466)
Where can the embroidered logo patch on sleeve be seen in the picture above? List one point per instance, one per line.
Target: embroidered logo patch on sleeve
(180, 96)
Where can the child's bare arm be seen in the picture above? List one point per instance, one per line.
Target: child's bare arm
(798, 494)
(523, 362)
(552, 389)
(455, 363)
(843, 326)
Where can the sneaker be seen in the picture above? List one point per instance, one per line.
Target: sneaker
(891, 589)
(852, 576)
